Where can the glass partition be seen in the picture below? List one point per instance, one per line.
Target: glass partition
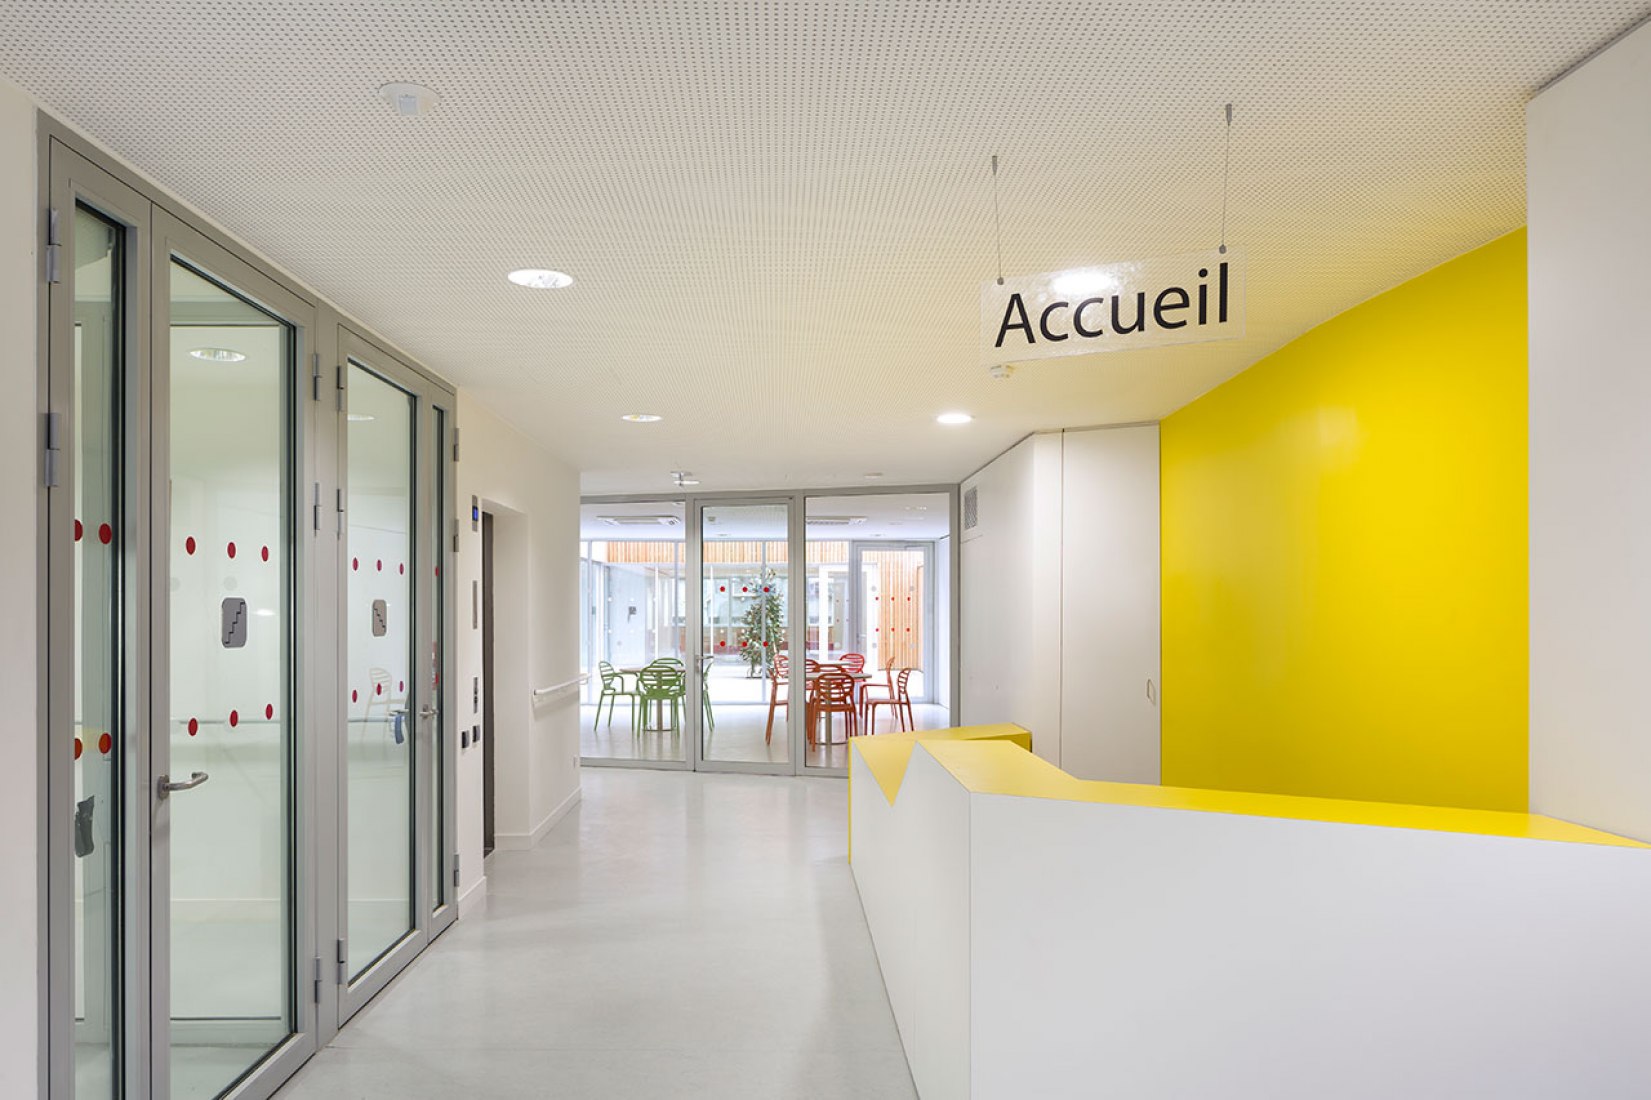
(745, 609)
(231, 623)
(99, 734)
(633, 582)
(878, 588)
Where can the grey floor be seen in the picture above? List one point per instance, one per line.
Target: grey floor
(677, 935)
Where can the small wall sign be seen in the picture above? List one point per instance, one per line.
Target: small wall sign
(234, 622)
(1124, 306)
(381, 618)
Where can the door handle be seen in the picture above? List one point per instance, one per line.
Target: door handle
(165, 786)
(427, 711)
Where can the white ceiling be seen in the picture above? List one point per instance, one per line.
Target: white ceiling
(779, 215)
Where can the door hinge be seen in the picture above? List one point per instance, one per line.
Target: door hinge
(315, 375)
(317, 505)
(343, 964)
(455, 444)
(455, 536)
(340, 506)
(54, 449)
(318, 979)
(341, 389)
(455, 870)
(54, 247)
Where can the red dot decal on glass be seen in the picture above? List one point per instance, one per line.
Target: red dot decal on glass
(355, 563)
(78, 748)
(234, 718)
(269, 710)
(231, 549)
(401, 685)
(80, 530)
(378, 689)
(722, 588)
(765, 589)
(354, 695)
(189, 545)
(381, 565)
(105, 743)
(105, 534)
(438, 570)
(194, 727)
(264, 553)
(402, 569)
(722, 645)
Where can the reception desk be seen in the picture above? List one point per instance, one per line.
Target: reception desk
(1045, 936)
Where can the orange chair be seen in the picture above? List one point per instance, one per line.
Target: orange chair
(834, 693)
(853, 662)
(781, 673)
(899, 698)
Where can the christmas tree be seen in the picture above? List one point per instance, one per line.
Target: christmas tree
(762, 626)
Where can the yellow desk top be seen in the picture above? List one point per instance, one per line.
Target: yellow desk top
(998, 760)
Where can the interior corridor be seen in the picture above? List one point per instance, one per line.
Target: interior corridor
(675, 935)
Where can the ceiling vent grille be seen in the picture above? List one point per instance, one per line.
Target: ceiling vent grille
(640, 521)
(971, 508)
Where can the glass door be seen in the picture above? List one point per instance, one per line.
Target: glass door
(740, 685)
(392, 763)
(231, 915)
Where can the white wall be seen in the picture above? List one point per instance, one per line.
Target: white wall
(535, 500)
(1010, 596)
(1060, 599)
(19, 434)
(1588, 153)
(1109, 604)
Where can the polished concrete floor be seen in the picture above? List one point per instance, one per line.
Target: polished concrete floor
(677, 935)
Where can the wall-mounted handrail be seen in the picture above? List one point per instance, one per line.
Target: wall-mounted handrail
(578, 681)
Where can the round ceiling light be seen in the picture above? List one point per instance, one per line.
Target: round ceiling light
(409, 100)
(952, 419)
(642, 418)
(873, 476)
(218, 355)
(540, 278)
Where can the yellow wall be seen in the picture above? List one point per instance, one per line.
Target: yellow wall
(1344, 554)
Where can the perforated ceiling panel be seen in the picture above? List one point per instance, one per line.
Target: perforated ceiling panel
(779, 214)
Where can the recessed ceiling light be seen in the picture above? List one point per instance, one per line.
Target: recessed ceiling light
(218, 355)
(953, 418)
(358, 418)
(642, 418)
(873, 476)
(683, 478)
(540, 278)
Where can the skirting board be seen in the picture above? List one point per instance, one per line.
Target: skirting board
(474, 898)
(521, 841)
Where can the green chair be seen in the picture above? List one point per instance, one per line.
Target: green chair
(705, 692)
(661, 683)
(613, 688)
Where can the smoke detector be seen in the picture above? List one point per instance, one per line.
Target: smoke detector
(409, 100)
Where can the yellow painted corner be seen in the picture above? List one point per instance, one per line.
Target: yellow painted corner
(887, 754)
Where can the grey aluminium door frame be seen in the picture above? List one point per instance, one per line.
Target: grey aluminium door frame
(355, 351)
(174, 239)
(860, 613)
(68, 181)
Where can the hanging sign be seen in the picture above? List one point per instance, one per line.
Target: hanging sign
(1124, 306)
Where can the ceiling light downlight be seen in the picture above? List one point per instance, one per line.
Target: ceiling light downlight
(953, 419)
(540, 278)
(642, 418)
(409, 100)
(218, 355)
